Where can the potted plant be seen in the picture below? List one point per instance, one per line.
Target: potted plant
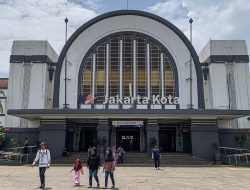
(216, 153)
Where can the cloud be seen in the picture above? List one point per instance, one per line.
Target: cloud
(213, 19)
(44, 19)
(91, 4)
(38, 20)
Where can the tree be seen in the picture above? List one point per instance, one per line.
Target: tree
(1, 107)
(2, 136)
(241, 140)
(14, 142)
(2, 93)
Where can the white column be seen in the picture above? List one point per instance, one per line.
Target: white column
(162, 75)
(93, 74)
(107, 71)
(134, 69)
(148, 71)
(121, 67)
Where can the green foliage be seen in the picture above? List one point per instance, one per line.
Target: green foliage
(2, 93)
(14, 142)
(1, 107)
(241, 140)
(2, 136)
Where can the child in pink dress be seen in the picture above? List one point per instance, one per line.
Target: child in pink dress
(78, 170)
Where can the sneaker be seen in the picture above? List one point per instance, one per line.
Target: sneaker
(42, 186)
(113, 187)
(105, 187)
(90, 186)
(98, 184)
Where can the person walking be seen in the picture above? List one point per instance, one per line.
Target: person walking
(26, 144)
(43, 157)
(156, 155)
(78, 171)
(109, 168)
(120, 152)
(93, 164)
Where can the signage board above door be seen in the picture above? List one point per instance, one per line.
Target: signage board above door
(122, 123)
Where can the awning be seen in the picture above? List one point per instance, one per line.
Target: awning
(37, 114)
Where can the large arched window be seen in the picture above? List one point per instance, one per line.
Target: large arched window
(127, 65)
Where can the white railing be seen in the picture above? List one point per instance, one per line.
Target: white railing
(236, 153)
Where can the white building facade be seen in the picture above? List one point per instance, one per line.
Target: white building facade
(3, 99)
(131, 79)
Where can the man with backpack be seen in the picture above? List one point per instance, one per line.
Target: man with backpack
(43, 158)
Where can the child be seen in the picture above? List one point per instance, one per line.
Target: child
(78, 170)
(109, 167)
(43, 156)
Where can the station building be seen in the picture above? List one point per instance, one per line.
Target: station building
(131, 79)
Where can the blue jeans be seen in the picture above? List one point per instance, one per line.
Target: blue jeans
(91, 173)
(41, 174)
(107, 173)
(157, 162)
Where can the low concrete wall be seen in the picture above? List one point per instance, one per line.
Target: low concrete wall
(203, 137)
(54, 134)
(226, 137)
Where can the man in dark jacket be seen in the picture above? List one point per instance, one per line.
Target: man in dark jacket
(93, 164)
(156, 155)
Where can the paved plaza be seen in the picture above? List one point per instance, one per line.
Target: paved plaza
(173, 178)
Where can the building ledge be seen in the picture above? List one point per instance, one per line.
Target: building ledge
(37, 114)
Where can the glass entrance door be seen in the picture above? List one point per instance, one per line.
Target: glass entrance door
(128, 138)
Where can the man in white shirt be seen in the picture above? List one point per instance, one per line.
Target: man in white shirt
(43, 158)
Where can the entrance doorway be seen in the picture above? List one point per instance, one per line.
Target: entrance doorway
(70, 139)
(88, 137)
(167, 139)
(187, 148)
(128, 138)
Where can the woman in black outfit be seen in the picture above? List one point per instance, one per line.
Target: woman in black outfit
(93, 164)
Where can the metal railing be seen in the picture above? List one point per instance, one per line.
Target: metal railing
(17, 153)
(236, 153)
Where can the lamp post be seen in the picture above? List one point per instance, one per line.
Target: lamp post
(190, 69)
(65, 66)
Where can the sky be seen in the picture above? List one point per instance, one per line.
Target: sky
(44, 19)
